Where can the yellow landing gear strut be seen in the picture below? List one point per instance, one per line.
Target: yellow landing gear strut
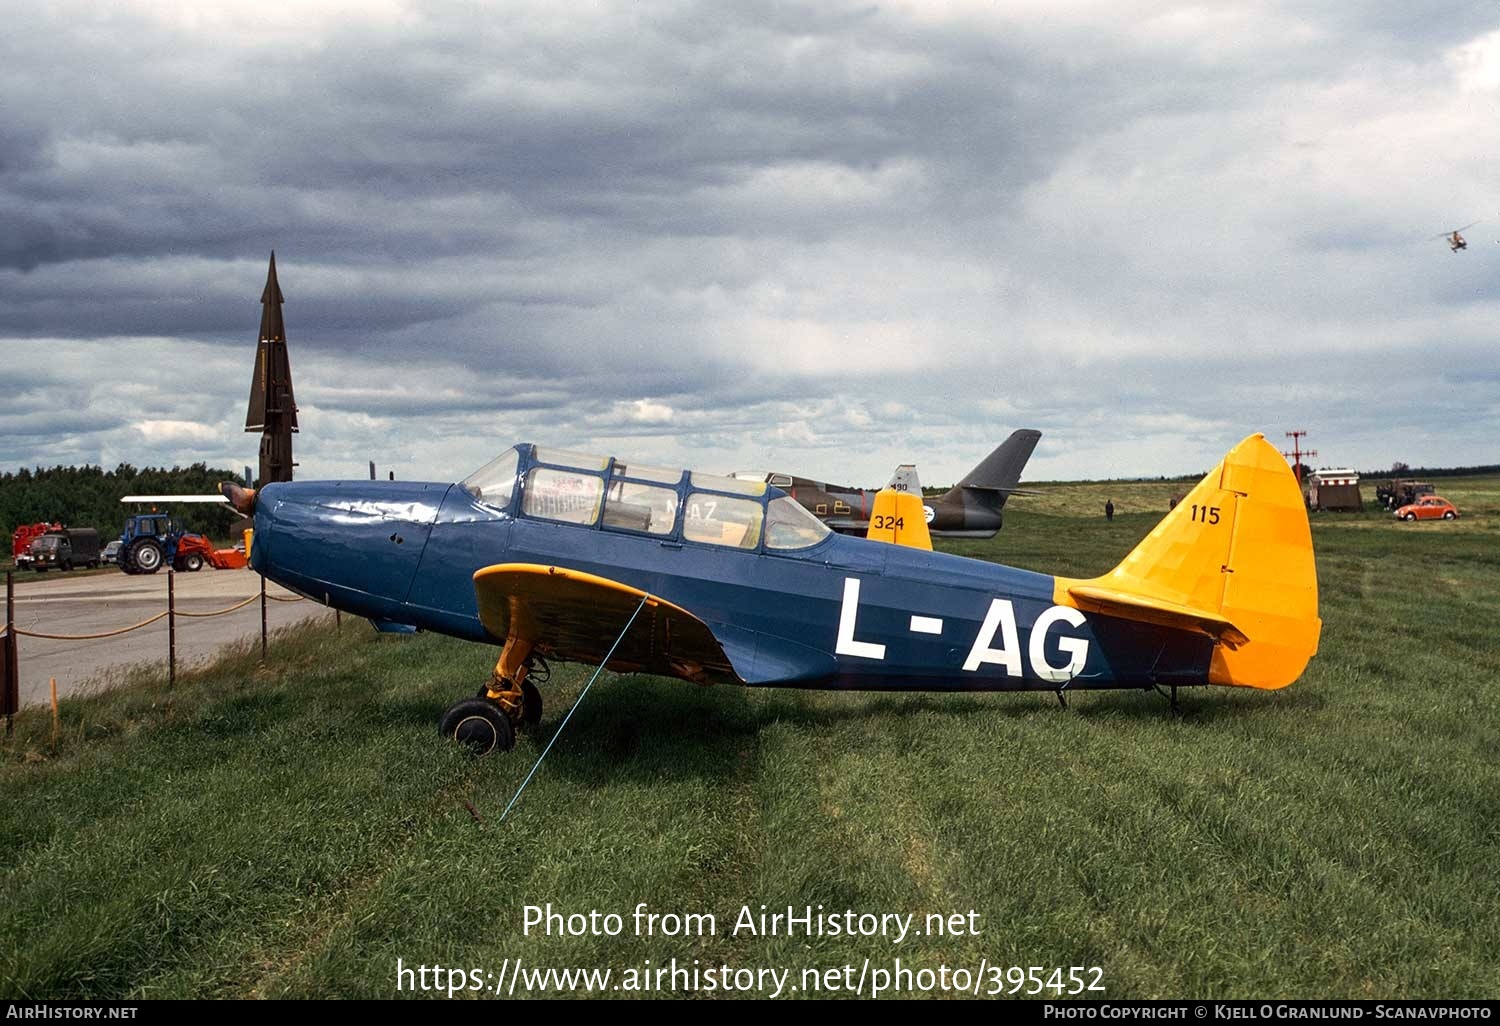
(509, 688)
(508, 701)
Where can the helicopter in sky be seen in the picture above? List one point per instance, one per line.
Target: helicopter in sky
(1455, 238)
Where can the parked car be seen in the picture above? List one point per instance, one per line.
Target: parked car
(1428, 507)
(111, 553)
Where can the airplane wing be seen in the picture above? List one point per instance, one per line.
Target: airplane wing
(575, 616)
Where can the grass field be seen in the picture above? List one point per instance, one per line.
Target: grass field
(294, 829)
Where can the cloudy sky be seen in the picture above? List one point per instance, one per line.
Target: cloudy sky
(816, 237)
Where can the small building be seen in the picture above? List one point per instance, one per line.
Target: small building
(1334, 488)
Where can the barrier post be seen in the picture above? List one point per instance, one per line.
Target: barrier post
(56, 722)
(10, 671)
(171, 629)
(262, 618)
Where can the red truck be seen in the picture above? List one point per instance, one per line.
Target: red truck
(20, 542)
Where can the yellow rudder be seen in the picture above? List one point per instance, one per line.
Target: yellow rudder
(1233, 559)
(898, 518)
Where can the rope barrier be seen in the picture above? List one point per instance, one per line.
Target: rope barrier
(146, 623)
(221, 612)
(9, 631)
(90, 637)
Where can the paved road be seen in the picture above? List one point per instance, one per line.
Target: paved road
(59, 603)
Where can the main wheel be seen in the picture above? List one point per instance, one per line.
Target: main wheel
(531, 704)
(1409, 517)
(146, 555)
(1449, 515)
(192, 563)
(479, 725)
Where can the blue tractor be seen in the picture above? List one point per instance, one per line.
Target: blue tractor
(152, 540)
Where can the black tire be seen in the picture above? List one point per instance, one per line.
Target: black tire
(1449, 515)
(67, 564)
(146, 556)
(192, 562)
(479, 725)
(531, 704)
(1409, 517)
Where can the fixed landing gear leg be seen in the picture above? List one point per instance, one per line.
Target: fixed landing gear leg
(507, 684)
(1171, 697)
(489, 720)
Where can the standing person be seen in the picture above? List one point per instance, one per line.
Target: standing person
(1109, 509)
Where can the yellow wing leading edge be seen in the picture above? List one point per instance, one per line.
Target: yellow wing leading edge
(572, 615)
(1233, 559)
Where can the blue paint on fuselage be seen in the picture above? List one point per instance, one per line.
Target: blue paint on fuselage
(406, 553)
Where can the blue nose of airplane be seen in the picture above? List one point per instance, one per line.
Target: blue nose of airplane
(353, 544)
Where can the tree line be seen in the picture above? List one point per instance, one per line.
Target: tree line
(90, 497)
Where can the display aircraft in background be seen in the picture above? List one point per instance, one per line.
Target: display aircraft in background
(558, 556)
(971, 509)
(1455, 239)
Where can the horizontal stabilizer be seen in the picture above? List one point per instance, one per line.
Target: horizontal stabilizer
(1002, 491)
(1113, 602)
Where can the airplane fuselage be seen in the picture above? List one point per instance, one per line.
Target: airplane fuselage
(840, 613)
(847, 510)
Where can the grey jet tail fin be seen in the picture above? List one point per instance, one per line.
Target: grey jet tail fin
(988, 485)
(1000, 471)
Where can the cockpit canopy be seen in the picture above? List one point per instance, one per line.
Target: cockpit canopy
(592, 491)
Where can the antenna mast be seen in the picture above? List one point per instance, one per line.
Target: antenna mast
(1298, 452)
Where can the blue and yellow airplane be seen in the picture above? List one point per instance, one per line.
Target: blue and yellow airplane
(560, 556)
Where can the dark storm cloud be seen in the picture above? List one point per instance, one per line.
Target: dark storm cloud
(358, 145)
(770, 227)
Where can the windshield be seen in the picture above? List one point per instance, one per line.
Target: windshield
(494, 483)
(790, 525)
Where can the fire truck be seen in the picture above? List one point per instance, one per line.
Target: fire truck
(20, 542)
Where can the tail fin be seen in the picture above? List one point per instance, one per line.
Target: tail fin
(905, 479)
(1233, 559)
(898, 516)
(1000, 471)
